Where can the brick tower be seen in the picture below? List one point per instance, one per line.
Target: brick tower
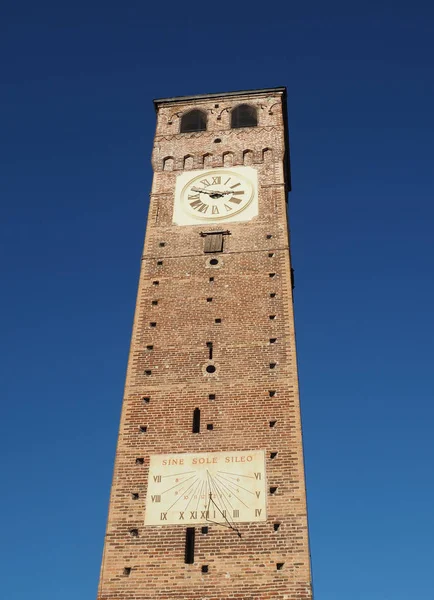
(208, 498)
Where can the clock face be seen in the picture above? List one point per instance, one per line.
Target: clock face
(216, 195)
(218, 487)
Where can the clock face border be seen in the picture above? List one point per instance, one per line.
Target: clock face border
(179, 486)
(185, 216)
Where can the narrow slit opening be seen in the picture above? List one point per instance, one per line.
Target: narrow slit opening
(196, 420)
(189, 545)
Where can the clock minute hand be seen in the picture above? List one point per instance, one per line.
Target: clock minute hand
(210, 192)
(201, 190)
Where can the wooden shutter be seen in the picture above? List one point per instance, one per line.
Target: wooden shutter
(214, 242)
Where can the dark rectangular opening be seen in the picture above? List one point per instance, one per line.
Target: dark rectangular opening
(189, 545)
(209, 346)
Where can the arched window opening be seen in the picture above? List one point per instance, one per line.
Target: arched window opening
(244, 115)
(194, 120)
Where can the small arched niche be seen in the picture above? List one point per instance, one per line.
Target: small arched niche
(193, 120)
(244, 115)
(188, 162)
(247, 157)
(168, 163)
(228, 159)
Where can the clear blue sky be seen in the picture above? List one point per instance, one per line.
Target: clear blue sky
(77, 124)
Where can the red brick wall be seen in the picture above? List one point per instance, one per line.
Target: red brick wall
(242, 568)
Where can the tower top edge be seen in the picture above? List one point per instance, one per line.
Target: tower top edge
(240, 93)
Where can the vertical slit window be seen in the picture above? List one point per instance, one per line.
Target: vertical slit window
(189, 545)
(209, 346)
(196, 420)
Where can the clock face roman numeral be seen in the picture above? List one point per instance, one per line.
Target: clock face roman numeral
(199, 205)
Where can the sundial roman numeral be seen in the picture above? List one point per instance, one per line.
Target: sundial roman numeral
(156, 498)
(163, 516)
(157, 478)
